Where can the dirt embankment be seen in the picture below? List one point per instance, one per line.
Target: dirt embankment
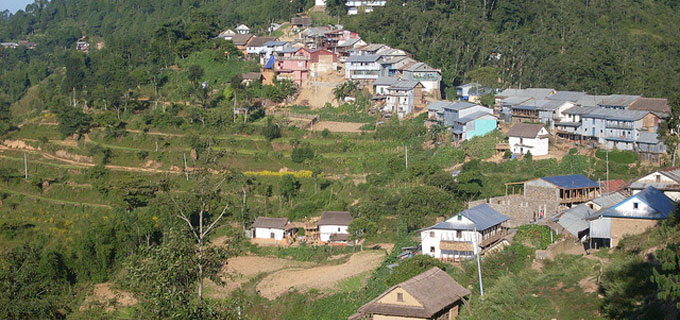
(322, 277)
(334, 126)
(105, 296)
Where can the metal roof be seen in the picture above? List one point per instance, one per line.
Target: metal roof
(422, 66)
(616, 114)
(618, 100)
(457, 106)
(274, 43)
(515, 100)
(404, 85)
(660, 204)
(474, 116)
(363, 58)
(536, 93)
(579, 110)
(372, 47)
(573, 220)
(572, 96)
(482, 216)
(274, 223)
(609, 200)
(439, 105)
(648, 137)
(573, 181)
(589, 100)
(545, 105)
(385, 81)
(525, 130)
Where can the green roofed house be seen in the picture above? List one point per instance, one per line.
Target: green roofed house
(432, 294)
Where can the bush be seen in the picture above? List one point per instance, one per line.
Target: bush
(301, 154)
(325, 133)
(534, 235)
(271, 130)
(621, 157)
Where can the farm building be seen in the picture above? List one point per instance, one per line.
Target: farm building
(333, 226)
(432, 294)
(465, 234)
(269, 228)
(633, 215)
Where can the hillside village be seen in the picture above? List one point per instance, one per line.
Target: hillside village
(295, 170)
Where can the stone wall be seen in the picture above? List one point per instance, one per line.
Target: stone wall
(521, 208)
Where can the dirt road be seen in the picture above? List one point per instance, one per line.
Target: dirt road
(334, 126)
(323, 277)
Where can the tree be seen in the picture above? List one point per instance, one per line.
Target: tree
(201, 210)
(667, 277)
(271, 129)
(669, 130)
(195, 73)
(336, 8)
(72, 121)
(360, 227)
(300, 154)
(289, 188)
(5, 116)
(418, 202)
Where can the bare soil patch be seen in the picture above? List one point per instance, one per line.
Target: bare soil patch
(74, 157)
(104, 295)
(322, 277)
(589, 284)
(334, 126)
(17, 144)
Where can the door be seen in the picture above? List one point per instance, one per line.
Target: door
(271, 235)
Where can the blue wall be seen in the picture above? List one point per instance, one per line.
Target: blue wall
(482, 127)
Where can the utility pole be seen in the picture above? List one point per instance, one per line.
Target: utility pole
(25, 167)
(406, 151)
(479, 267)
(607, 170)
(186, 170)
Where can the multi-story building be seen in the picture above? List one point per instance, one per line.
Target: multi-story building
(356, 6)
(362, 68)
(403, 96)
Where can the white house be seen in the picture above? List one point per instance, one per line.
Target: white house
(634, 215)
(269, 228)
(429, 77)
(362, 68)
(354, 6)
(526, 137)
(242, 29)
(321, 3)
(333, 226)
(381, 84)
(403, 96)
(666, 180)
(465, 234)
(227, 34)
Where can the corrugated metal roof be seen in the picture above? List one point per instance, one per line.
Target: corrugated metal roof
(363, 58)
(579, 110)
(457, 106)
(572, 96)
(618, 100)
(589, 100)
(372, 47)
(404, 84)
(439, 105)
(616, 114)
(671, 172)
(660, 204)
(482, 217)
(514, 100)
(474, 116)
(546, 105)
(385, 81)
(573, 181)
(536, 93)
(648, 137)
(610, 200)
(573, 220)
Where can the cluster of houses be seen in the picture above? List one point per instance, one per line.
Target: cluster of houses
(330, 229)
(357, 6)
(400, 83)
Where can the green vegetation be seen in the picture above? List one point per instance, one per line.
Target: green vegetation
(533, 235)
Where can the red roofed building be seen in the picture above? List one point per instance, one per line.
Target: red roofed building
(609, 186)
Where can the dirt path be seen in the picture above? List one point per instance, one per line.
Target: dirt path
(322, 277)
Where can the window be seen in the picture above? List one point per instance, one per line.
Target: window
(658, 178)
(459, 234)
(460, 217)
(431, 234)
(432, 249)
(636, 205)
(400, 297)
(271, 235)
(338, 229)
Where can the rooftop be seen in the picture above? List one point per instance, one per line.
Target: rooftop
(572, 96)
(660, 207)
(573, 181)
(385, 81)
(651, 104)
(618, 100)
(336, 218)
(404, 84)
(274, 223)
(457, 106)
(482, 216)
(525, 130)
(536, 93)
(363, 58)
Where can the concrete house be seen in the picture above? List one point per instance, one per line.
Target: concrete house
(666, 180)
(435, 110)
(525, 138)
(403, 97)
(333, 226)
(541, 110)
(465, 234)
(242, 29)
(362, 68)
(617, 101)
(381, 84)
(432, 294)
(269, 228)
(468, 120)
(293, 66)
(429, 77)
(566, 190)
(632, 216)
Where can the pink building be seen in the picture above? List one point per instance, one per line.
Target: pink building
(293, 66)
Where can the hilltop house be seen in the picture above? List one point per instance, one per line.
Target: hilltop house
(468, 120)
(367, 6)
(566, 190)
(666, 180)
(269, 228)
(429, 77)
(633, 215)
(242, 29)
(333, 226)
(362, 68)
(525, 138)
(293, 65)
(403, 96)
(226, 34)
(540, 110)
(432, 294)
(464, 235)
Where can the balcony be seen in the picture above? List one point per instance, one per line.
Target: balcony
(493, 239)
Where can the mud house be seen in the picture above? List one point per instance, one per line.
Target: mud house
(633, 215)
(525, 138)
(465, 234)
(666, 180)
(269, 228)
(300, 22)
(432, 294)
(333, 226)
(322, 61)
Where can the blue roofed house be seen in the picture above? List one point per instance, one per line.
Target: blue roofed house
(574, 220)
(464, 235)
(566, 190)
(468, 120)
(631, 216)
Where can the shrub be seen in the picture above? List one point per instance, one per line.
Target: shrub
(301, 154)
(621, 157)
(271, 130)
(534, 235)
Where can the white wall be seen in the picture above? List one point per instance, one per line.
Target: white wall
(428, 240)
(265, 233)
(326, 231)
(628, 207)
(539, 146)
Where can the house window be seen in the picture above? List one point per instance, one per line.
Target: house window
(658, 178)
(432, 249)
(338, 229)
(431, 234)
(636, 205)
(400, 297)
(459, 234)
(521, 140)
(271, 235)
(460, 217)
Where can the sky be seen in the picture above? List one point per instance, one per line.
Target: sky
(13, 5)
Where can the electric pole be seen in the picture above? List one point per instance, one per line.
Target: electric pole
(25, 167)
(406, 151)
(186, 170)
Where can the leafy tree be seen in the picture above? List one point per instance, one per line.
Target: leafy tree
(5, 116)
(667, 277)
(412, 267)
(72, 121)
(289, 188)
(418, 202)
(195, 73)
(361, 227)
(271, 129)
(301, 154)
